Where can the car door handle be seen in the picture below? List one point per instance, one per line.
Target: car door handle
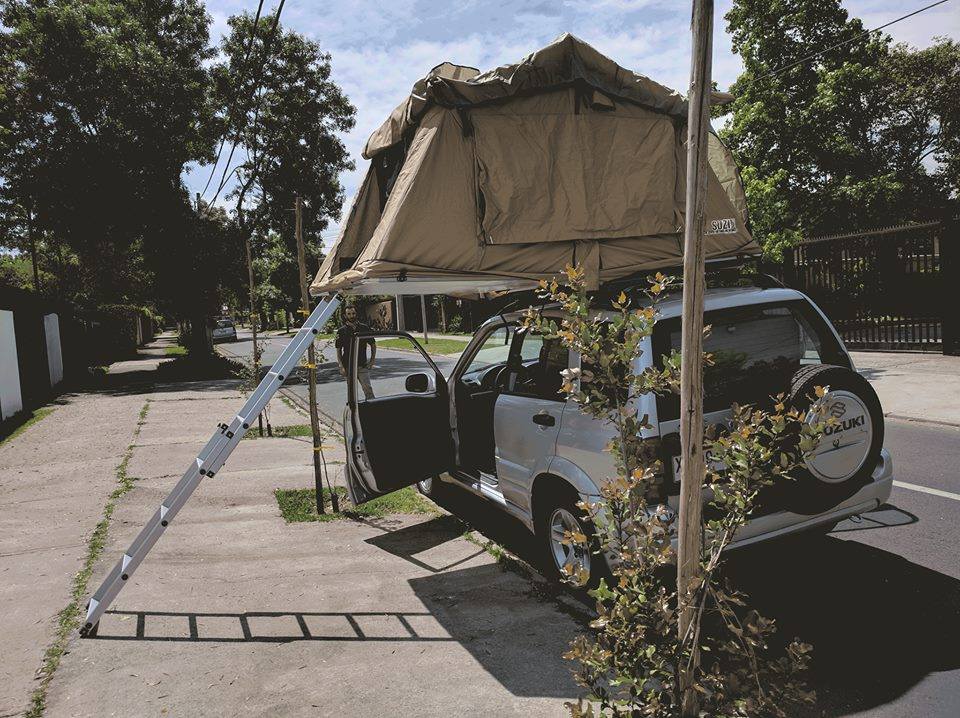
(544, 419)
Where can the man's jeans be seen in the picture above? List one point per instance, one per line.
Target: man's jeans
(363, 376)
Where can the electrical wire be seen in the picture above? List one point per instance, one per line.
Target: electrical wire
(847, 41)
(246, 58)
(266, 54)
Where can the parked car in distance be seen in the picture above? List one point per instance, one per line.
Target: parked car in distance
(499, 427)
(224, 330)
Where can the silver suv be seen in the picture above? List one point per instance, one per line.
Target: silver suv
(499, 427)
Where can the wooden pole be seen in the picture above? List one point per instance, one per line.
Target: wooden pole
(253, 328)
(33, 251)
(311, 367)
(691, 365)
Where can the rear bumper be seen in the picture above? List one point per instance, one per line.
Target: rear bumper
(783, 523)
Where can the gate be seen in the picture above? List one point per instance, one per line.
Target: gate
(892, 288)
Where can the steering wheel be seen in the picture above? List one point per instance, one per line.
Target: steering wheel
(497, 378)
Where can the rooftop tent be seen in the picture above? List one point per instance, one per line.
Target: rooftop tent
(487, 182)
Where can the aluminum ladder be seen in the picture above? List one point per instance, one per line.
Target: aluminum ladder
(207, 464)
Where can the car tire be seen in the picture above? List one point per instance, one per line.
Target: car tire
(560, 511)
(848, 453)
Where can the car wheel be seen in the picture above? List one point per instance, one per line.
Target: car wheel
(848, 453)
(562, 515)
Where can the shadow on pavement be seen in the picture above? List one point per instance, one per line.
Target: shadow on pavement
(878, 623)
(414, 542)
(267, 626)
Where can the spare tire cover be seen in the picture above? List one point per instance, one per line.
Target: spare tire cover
(848, 452)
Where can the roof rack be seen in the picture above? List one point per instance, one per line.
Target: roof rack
(739, 271)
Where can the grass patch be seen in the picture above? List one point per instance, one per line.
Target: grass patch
(437, 345)
(298, 505)
(175, 350)
(282, 432)
(23, 421)
(68, 620)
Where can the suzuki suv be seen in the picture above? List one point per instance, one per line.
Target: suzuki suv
(499, 426)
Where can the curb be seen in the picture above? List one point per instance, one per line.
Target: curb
(918, 420)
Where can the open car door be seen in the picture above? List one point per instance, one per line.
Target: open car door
(397, 419)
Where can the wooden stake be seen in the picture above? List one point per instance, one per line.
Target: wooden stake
(253, 328)
(691, 366)
(312, 369)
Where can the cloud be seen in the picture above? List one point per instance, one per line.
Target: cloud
(380, 49)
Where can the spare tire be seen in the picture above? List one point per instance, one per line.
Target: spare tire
(848, 451)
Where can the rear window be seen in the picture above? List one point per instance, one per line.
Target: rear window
(224, 324)
(755, 349)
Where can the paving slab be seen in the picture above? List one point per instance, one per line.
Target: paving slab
(54, 482)
(917, 386)
(236, 611)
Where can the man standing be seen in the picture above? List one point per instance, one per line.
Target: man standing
(344, 345)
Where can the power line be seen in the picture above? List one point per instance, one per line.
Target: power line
(223, 138)
(847, 41)
(266, 54)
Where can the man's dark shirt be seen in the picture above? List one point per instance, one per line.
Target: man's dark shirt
(344, 344)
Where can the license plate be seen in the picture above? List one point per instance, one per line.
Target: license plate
(675, 463)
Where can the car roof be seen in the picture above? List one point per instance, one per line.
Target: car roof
(714, 298)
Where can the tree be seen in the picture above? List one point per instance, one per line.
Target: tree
(281, 109)
(838, 142)
(104, 102)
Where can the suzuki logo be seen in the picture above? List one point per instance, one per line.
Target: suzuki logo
(838, 409)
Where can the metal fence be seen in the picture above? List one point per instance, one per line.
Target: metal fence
(891, 288)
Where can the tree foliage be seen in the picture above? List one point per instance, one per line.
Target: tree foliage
(862, 135)
(103, 104)
(636, 663)
(281, 107)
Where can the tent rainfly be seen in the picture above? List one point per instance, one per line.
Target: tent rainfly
(489, 182)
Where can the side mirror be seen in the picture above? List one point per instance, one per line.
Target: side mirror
(418, 383)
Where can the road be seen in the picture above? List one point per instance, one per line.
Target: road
(391, 368)
(879, 598)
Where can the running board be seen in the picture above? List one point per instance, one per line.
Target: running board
(208, 462)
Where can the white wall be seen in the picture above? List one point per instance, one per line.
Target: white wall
(51, 329)
(11, 401)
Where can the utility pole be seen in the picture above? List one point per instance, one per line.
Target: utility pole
(253, 327)
(311, 366)
(423, 314)
(33, 251)
(691, 348)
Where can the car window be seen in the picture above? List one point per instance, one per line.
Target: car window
(494, 350)
(541, 359)
(755, 351)
(224, 324)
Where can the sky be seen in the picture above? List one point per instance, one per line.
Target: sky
(379, 48)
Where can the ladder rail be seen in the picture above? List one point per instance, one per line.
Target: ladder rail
(207, 464)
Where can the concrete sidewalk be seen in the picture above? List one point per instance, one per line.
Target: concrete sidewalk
(915, 386)
(235, 611)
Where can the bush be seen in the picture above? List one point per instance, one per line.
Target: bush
(637, 663)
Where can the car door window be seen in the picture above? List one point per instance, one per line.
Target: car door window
(495, 349)
(538, 361)
(383, 374)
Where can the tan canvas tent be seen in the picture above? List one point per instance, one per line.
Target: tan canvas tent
(483, 182)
